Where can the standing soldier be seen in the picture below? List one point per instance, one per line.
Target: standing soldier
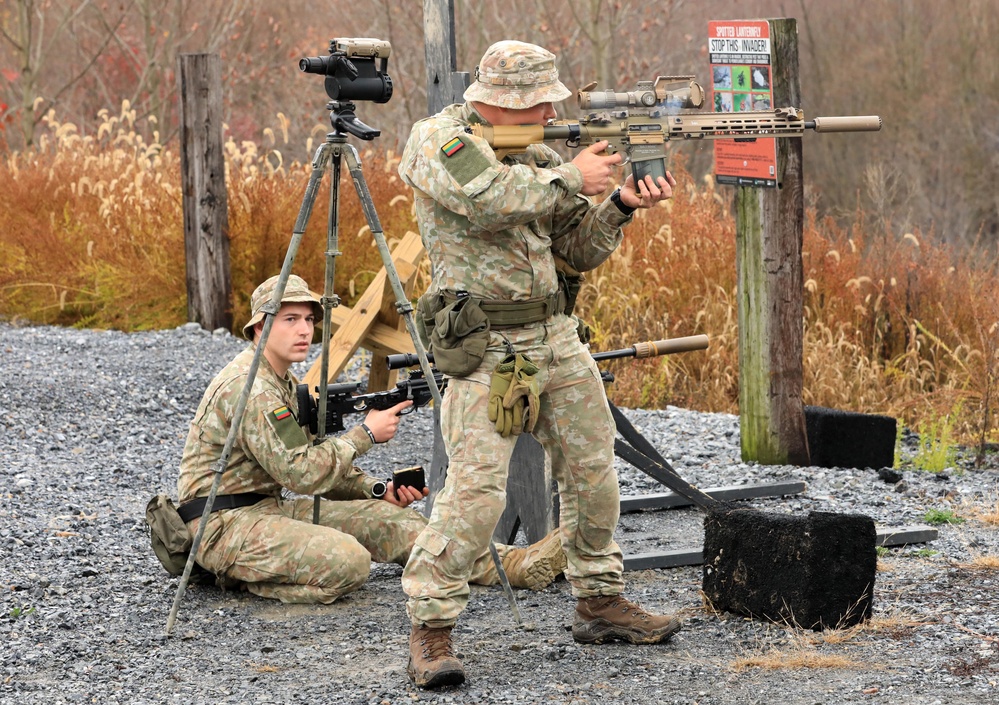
(269, 544)
(501, 327)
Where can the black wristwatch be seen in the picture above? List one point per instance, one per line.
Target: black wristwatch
(616, 200)
(378, 490)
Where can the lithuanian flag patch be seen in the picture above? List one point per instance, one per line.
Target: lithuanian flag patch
(280, 413)
(452, 147)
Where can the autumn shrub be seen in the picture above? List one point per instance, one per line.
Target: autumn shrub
(92, 235)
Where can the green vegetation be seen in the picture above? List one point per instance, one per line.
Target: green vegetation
(938, 517)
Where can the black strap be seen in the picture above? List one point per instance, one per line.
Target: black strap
(196, 507)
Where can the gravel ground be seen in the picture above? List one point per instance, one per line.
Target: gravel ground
(93, 424)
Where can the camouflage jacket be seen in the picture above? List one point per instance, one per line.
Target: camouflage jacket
(490, 227)
(271, 450)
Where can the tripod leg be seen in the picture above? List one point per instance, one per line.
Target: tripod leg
(330, 299)
(270, 310)
(406, 311)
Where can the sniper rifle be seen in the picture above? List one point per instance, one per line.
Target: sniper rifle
(638, 124)
(342, 399)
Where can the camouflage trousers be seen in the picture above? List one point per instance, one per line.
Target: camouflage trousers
(277, 552)
(577, 431)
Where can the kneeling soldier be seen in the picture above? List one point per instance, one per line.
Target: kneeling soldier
(270, 544)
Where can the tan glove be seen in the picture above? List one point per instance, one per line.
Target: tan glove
(523, 392)
(499, 384)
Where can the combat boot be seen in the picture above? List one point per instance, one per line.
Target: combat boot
(432, 663)
(607, 617)
(536, 566)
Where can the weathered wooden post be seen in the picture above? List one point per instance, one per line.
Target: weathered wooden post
(202, 175)
(529, 491)
(769, 223)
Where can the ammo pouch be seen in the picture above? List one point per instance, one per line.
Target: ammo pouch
(168, 534)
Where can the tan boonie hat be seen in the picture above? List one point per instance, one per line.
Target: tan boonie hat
(516, 75)
(295, 291)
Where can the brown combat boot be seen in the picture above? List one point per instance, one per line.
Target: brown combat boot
(607, 617)
(432, 663)
(535, 567)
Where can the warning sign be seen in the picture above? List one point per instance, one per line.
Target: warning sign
(740, 82)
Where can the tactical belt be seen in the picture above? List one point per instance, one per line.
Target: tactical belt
(503, 314)
(196, 507)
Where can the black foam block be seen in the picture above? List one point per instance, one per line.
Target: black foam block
(847, 439)
(815, 571)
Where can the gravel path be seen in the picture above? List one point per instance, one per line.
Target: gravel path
(93, 423)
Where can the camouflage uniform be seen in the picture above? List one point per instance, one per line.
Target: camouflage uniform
(492, 229)
(272, 546)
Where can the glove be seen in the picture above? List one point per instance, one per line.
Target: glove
(523, 392)
(513, 396)
(499, 384)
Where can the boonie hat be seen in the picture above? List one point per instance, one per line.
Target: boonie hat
(295, 291)
(516, 75)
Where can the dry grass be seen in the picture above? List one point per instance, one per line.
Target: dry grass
(91, 231)
(776, 659)
(983, 563)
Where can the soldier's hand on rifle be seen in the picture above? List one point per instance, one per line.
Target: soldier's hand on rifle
(404, 496)
(384, 423)
(647, 193)
(597, 168)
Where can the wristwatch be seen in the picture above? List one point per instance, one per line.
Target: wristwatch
(616, 200)
(378, 490)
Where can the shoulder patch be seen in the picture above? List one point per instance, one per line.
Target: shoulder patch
(286, 427)
(463, 160)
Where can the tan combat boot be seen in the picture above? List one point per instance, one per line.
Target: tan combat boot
(432, 663)
(607, 617)
(536, 566)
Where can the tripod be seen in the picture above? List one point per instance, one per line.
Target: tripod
(329, 156)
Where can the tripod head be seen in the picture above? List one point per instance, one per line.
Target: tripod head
(343, 119)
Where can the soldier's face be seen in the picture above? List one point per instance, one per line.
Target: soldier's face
(535, 115)
(290, 336)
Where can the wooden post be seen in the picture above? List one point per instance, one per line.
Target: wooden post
(769, 225)
(205, 203)
(445, 85)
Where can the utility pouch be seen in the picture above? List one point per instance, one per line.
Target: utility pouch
(427, 307)
(168, 534)
(459, 337)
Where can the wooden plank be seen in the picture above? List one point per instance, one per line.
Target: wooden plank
(886, 536)
(381, 341)
(663, 559)
(904, 535)
(361, 319)
(672, 500)
(380, 377)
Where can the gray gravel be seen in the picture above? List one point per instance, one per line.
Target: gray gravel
(92, 425)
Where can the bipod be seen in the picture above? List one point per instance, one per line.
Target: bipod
(328, 156)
